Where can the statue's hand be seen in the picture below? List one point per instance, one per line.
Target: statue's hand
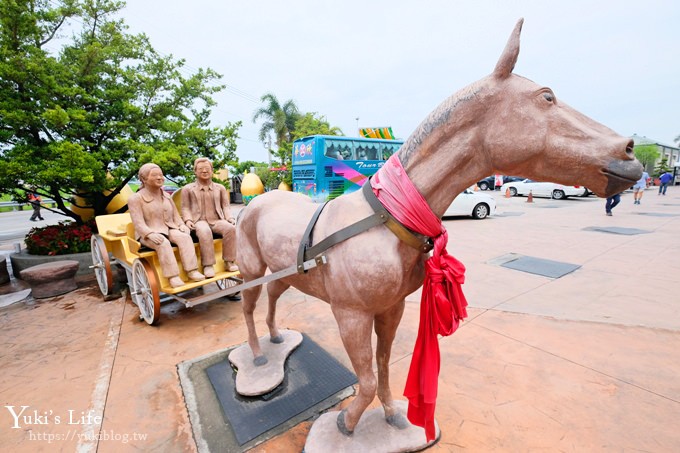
(156, 238)
(190, 224)
(231, 220)
(184, 229)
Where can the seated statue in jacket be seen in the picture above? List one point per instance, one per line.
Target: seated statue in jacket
(205, 209)
(158, 224)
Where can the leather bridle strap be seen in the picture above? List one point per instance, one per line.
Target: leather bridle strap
(381, 216)
(418, 242)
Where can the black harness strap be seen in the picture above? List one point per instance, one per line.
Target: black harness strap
(381, 216)
(307, 240)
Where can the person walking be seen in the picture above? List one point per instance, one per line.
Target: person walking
(664, 179)
(611, 203)
(639, 187)
(35, 201)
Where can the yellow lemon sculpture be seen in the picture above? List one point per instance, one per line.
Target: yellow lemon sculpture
(114, 205)
(251, 186)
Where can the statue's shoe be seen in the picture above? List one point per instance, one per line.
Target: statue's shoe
(196, 276)
(208, 271)
(176, 282)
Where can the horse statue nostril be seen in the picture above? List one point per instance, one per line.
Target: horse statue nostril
(630, 148)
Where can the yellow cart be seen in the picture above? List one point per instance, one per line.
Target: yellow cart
(116, 239)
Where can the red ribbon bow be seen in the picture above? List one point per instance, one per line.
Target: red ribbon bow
(442, 305)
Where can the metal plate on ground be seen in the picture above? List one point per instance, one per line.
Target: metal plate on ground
(617, 230)
(210, 428)
(540, 266)
(658, 214)
(312, 376)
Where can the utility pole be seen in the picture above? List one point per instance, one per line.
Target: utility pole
(268, 146)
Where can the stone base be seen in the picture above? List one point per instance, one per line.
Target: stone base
(4, 274)
(372, 433)
(24, 260)
(252, 380)
(51, 279)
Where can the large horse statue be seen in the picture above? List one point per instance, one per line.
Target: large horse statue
(503, 123)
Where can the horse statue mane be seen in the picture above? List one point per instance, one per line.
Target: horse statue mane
(503, 123)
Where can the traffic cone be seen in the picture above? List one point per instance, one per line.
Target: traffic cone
(476, 188)
(530, 198)
(507, 193)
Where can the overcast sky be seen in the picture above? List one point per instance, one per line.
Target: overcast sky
(389, 63)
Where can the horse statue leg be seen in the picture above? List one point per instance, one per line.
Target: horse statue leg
(250, 297)
(274, 291)
(386, 328)
(355, 331)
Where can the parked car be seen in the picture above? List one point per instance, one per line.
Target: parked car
(469, 203)
(543, 189)
(488, 183)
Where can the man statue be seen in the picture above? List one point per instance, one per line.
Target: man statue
(205, 209)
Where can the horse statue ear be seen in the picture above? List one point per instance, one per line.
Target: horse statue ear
(506, 63)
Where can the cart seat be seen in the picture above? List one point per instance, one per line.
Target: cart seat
(136, 247)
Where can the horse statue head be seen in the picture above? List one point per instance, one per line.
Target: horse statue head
(508, 124)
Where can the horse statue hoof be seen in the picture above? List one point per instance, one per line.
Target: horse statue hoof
(398, 421)
(329, 432)
(277, 339)
(262, 373)
(260, 360)
(341, 424)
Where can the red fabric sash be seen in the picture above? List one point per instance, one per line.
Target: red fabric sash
(442, 305)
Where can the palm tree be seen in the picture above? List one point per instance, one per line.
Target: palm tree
(279, 119)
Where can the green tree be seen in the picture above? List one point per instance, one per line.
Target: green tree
(646, 154)
(311, 124)
(661, 168)
(277, 118)
(79, 114)
(241, 168)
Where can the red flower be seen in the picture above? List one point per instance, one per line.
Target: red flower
(66, 237)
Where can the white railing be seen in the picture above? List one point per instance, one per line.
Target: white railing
(18, 206)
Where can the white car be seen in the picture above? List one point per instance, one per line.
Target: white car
(543, 189)
(475, 204)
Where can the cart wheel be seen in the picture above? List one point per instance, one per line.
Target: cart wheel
(145, 291)
(226, 283)
(101, 264)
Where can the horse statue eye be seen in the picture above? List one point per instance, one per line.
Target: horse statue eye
(548, 97)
